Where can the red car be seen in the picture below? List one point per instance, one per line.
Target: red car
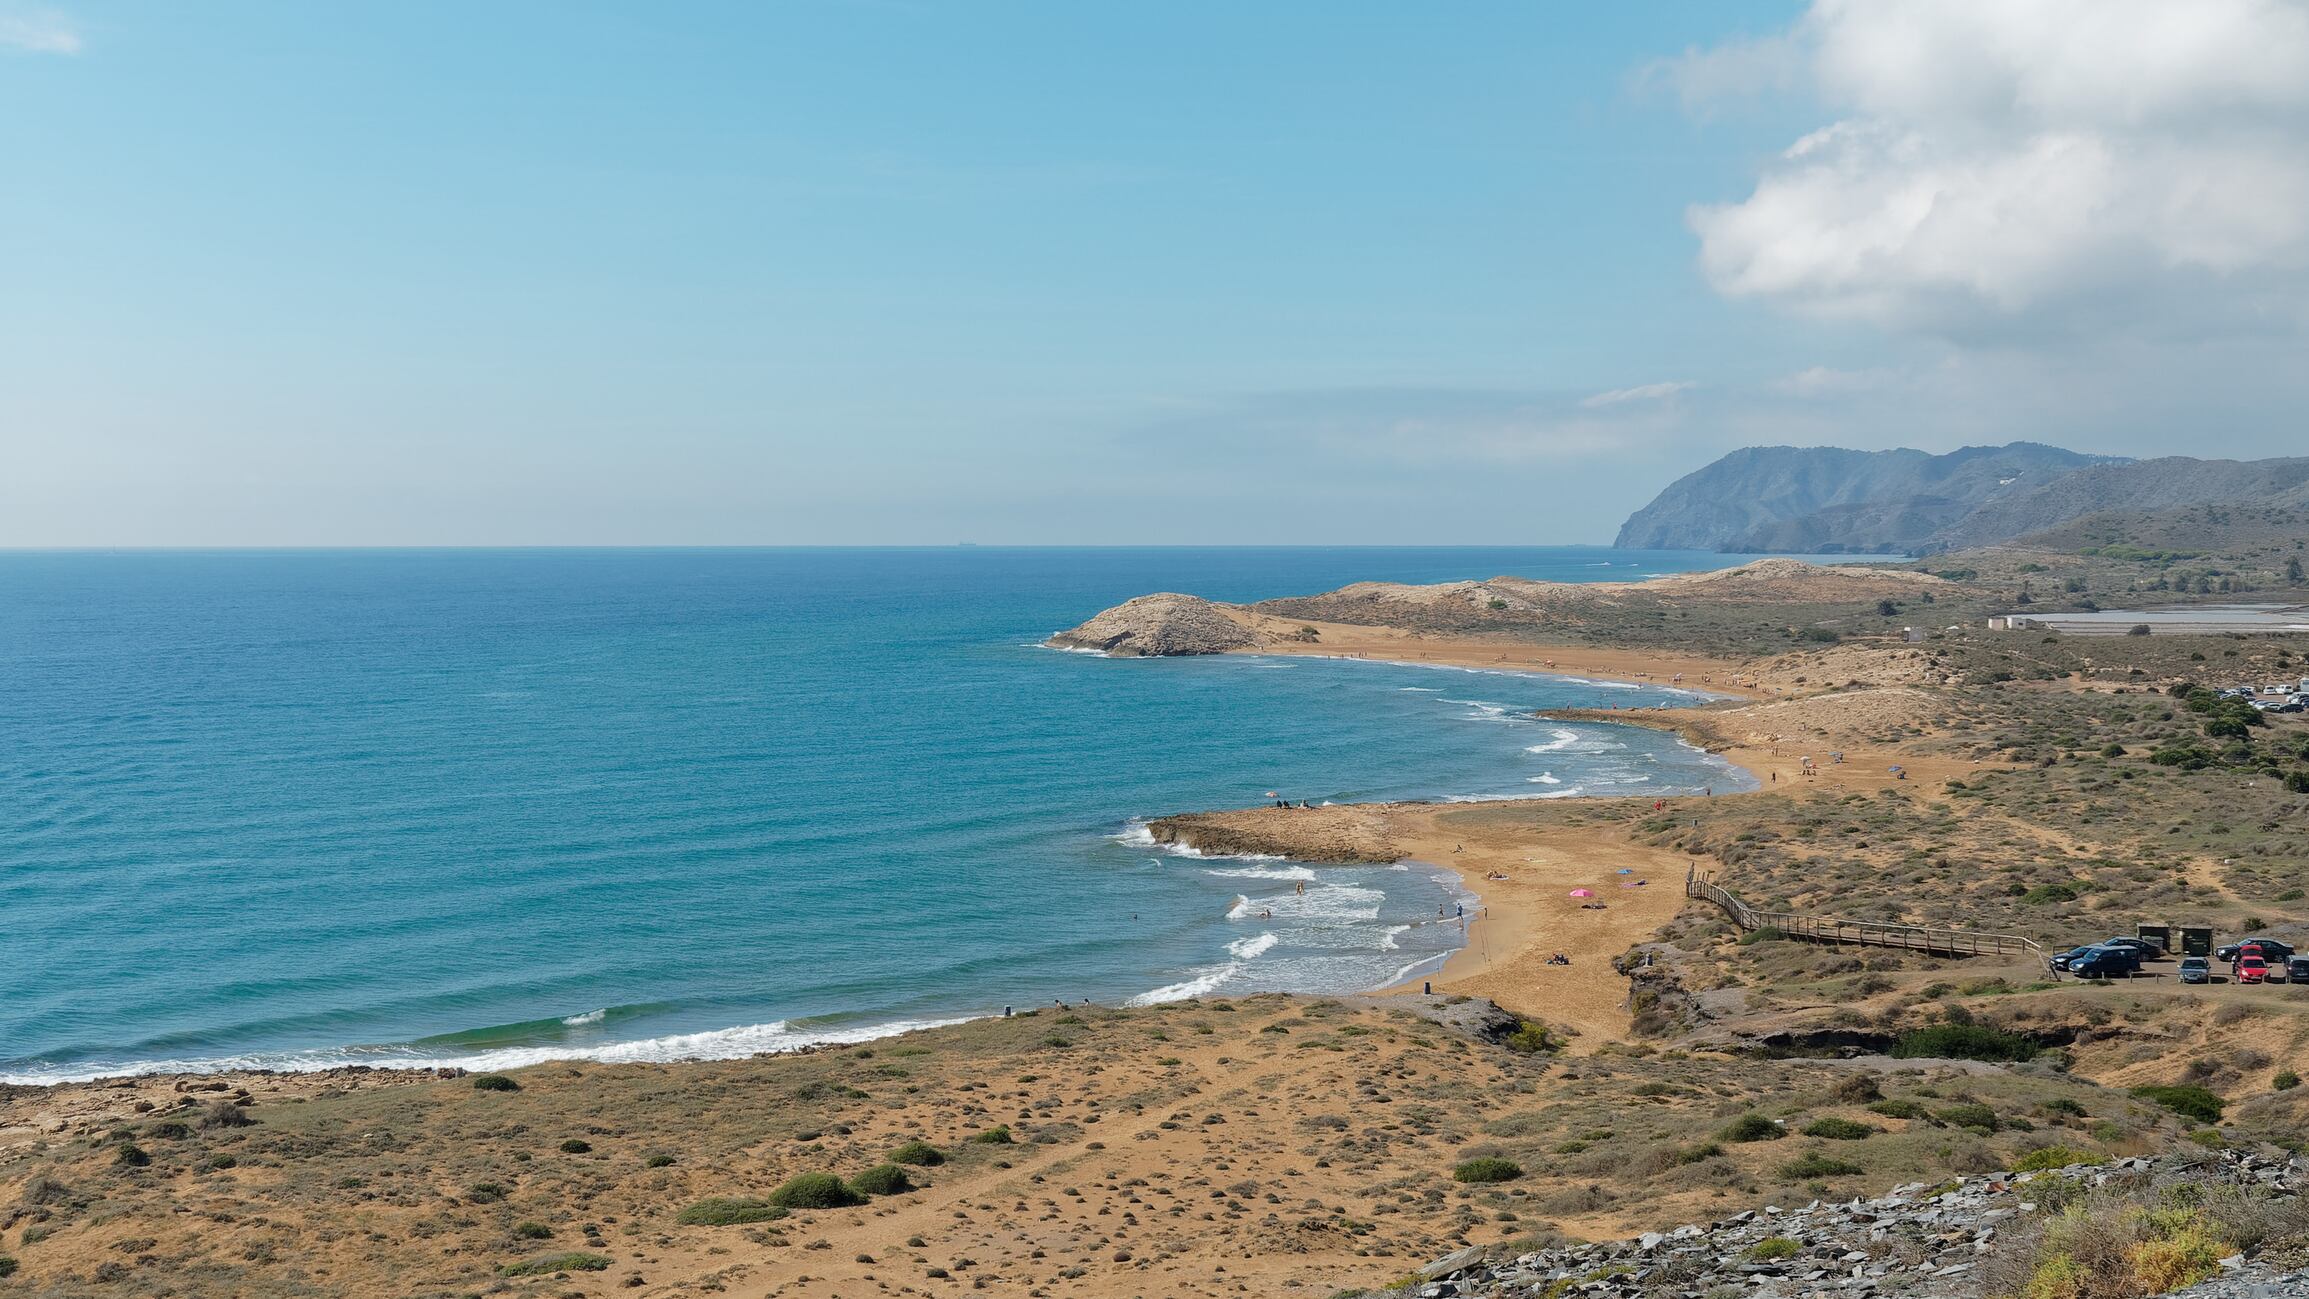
(2251, 968)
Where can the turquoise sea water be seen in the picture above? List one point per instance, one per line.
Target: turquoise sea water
(303, 808)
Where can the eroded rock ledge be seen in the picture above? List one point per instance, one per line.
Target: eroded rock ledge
(1162, 624)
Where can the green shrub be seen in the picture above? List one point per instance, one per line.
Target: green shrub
(131, 1156)
(2187, 1101)
(1490, 1168)
(921, 1154)
(1529, 1038)
(999, 1135)
(1963, 1042)
(7, 1267)
(724, 1211)
(547, 1264)
(532, 1231)
(1812, 1164)
(882, 1179)
(494, 1082)
(658, 1160)
(1970, 1115)
(170, 1130)
(2046, 894)
(1839, 1130)
(485, 1192)
(1899, 1108)
(2049, 1158)
(2286, 1080)
(1752, 1127)
(1773, 1248)
(815, 1191)
(576, 1146)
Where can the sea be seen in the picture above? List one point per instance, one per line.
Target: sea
(297, 809)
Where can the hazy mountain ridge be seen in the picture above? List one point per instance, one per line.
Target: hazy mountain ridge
(1829, 499)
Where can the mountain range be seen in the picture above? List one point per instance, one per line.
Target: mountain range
(1827, 500)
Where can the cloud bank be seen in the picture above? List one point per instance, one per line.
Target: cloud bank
(2092, 167)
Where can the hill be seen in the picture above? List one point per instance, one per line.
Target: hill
(1821, 500)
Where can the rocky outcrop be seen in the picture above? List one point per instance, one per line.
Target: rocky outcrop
(1919, 1241)
(1162, 624)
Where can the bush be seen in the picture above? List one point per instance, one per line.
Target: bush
(994, 1136)
(2045, 894)
(1772, 1248)
(1529, 1038)
(1899, 1109)
(658, 1160)
(1970, 1115)
(1839, 1130)
(494, 1082)
(2049, 1158)
(532, 1231)
(225, 1114)
(724, 1211)
(1813, 1164)
(1963, 1042)
(2286, 1080)
(921, 1154)
(1752, 1127)
(882, 1179)
(131, 1156)
(547, 1264)
(576, 1146)
(815, 1191)
(1490, 1168)
(2187, 1101)
(170, 1130)
(485, 1192)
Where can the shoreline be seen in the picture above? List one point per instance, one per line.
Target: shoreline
(1471, 959)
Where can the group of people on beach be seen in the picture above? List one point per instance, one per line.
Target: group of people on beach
(1284, 802)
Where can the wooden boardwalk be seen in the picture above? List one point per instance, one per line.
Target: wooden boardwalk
(1915, 938)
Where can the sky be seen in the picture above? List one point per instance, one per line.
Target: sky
(1332, 272)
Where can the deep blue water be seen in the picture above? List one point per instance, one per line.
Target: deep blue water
(308, 807)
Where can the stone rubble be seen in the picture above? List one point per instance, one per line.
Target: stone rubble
(1919, 1242)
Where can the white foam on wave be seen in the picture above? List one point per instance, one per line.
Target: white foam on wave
(1068, 649)
(1569, 791)
(1204, 982)
(737, 1043)
(589, 1017)
(1543, 778)
(1563, 739)
(1263, 873)
(1387, 941)
(1252, 947)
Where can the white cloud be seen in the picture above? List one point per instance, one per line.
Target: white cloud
(2096, 166)
(1647, 392)
(37, 31)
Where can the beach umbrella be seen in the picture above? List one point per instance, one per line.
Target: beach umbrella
(1583, 893)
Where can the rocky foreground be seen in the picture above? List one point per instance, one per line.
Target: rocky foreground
(1919, 1242)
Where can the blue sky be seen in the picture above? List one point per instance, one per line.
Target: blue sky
(893, 272)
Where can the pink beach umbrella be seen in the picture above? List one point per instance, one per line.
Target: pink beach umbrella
(1583, 893)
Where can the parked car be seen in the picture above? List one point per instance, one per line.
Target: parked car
(2252, 969)
(2196, 969)
(2060, 960)
(2105, 963)
(2297, 969)
(2149, 950)
(2271, 949)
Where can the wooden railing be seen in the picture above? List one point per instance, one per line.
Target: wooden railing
(1915, 938)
